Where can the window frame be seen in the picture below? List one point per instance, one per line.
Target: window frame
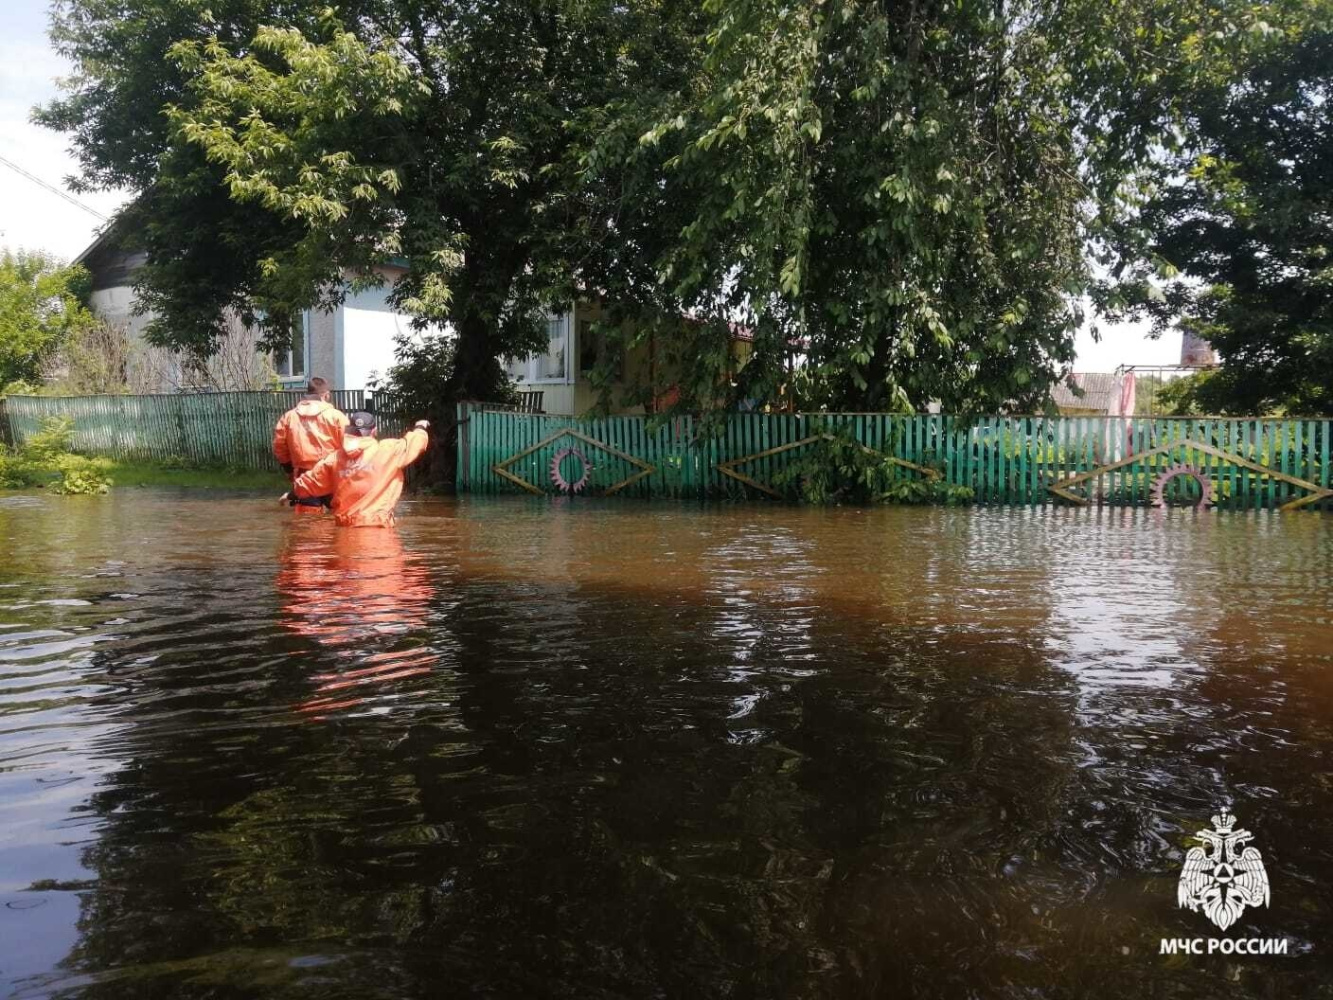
(531, 365)
(304, 374)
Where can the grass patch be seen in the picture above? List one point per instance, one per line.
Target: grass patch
(123, 474)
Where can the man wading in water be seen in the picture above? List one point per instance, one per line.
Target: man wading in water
(365, 475)
(306, 434)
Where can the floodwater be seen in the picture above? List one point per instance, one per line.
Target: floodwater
(525, 748)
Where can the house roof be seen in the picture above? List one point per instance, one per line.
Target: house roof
(1099, 390)
(105, 239)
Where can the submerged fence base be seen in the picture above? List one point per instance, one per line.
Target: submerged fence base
(1131, 461)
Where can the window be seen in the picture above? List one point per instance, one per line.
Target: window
(290, 364)
(555, 364)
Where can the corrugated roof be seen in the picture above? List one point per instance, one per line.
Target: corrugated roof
(1098, 391)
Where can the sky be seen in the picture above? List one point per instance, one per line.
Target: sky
(35, 219)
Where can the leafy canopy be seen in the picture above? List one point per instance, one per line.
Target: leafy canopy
(300, 146)
(897, 199)
(42, 306)
(1236, 229)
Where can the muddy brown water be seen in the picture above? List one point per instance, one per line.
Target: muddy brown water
(533, 748)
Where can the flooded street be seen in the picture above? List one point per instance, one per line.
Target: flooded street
(632, 749)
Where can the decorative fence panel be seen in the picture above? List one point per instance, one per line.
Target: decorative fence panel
(232, 429)
(1134, 461)
(614, 451)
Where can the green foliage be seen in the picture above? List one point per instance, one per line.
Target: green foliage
(840, 470)
(80, 476)
(46, 462)
(182, 473)
(896, 199)
(54, 439)
(42, 305)
(421, 381)
(300, 145)
(1235, 231)
(204, 250)
(21, 387)
(1193, 395)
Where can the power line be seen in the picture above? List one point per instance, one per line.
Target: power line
(52, 188)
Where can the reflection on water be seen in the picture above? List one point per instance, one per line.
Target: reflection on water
(350, 592)
(579, 749)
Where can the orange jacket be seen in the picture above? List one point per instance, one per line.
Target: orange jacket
(365, 477)
(307, 432)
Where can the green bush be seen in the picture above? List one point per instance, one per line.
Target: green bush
(46, 462)
(80, 477)
(840, 470)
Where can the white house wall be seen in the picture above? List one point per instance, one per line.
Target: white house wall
(369, 327)
(116, 306)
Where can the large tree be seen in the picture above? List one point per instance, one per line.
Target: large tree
(897, 199)
(281, 150)
(205, 251)
(1234, 239)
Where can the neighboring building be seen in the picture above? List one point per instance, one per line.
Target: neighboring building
(354, 342)
(1195, 352)
(1100, 391)
(348, 345)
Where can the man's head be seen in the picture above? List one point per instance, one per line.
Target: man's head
(360, 424)
(318, 388)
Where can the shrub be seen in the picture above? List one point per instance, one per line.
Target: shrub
(46, 462)
(840, 470)
(80, 476)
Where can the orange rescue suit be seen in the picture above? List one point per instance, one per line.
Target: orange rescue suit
(307, 432)
(365, 477)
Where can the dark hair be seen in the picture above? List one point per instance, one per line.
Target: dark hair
(317, 386)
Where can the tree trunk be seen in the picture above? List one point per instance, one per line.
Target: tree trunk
(476, 369)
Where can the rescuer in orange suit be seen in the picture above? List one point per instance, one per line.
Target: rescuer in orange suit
(365, 475)
(305, 434)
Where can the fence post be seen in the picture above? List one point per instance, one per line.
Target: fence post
(461, 483)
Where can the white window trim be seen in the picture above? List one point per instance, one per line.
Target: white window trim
(571, 354)
(303, 377)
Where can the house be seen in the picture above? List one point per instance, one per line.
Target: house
(348, 345)
(354, 342)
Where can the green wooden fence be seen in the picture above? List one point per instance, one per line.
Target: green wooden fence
(1250, 464)
(1002, 459)
(233, 429)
